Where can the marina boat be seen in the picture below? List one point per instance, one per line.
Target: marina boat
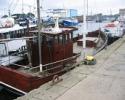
(114, 31)
(90, 41)
(24, 75)
(24, 19)
(95, 39)
(16, 31)
(70, 22)
(6, 22)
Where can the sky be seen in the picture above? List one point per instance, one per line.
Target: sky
(94, 6)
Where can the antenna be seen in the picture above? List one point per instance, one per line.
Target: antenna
(110, 11)
(9, 13)
(22, 7)
(56, 28)
(10, 4)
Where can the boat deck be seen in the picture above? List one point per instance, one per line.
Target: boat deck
(90, 39)
(76, 49)
(84, 52)
(104, 80)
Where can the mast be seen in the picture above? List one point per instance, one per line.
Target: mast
(9, 13)
(39, 36)
(87, 13)
(84, 25)
(22, 7)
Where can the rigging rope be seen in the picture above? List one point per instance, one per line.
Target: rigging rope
(15, 6)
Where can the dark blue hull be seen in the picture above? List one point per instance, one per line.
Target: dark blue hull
(68, 23)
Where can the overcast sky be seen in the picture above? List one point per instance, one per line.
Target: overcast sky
(94, 6)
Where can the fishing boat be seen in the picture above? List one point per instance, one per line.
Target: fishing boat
(114, 30)
(91, 39)
(57, 54)
(15, 31)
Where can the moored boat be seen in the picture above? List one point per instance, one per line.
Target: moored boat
(114, 31)
(70, 22)
(57, 54)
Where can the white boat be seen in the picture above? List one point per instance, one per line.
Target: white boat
(7, 48)
(7, 22)
(114, 29)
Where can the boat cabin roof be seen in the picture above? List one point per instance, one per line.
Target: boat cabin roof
(49, 31)
(14, 28)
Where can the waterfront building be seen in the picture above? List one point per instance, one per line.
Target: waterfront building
(62, 12)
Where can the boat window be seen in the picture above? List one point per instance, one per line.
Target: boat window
(105, 30)
(1, 36)
(14, 34)
(43, 39)
(70, 38)
(3, 51)
(8, 35)
(71, 35)
(66, 38)
(35, 40)
(61, 39)
(49, 40)
(56, 39)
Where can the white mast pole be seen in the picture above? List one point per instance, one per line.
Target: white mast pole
(39, 36)
(84, 25)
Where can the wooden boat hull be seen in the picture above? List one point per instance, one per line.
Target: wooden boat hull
(23, 81)
(89, 44)
(26, 82)
(55, 48)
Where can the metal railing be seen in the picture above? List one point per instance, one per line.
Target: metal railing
(104, 44)
(59, 61)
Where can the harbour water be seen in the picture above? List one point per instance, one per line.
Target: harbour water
(91, 26)
(6, 95)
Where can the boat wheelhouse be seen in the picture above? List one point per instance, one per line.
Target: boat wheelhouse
(55, 46)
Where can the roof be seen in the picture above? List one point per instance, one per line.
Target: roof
(14, 28)
(50, 31)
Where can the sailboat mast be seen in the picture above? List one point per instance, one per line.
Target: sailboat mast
(39, 36)
(22, 7)
(84, 24)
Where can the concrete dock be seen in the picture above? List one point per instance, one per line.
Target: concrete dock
(103, 81)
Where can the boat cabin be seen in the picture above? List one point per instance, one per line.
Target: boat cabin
(15, 31)
(55, 46)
